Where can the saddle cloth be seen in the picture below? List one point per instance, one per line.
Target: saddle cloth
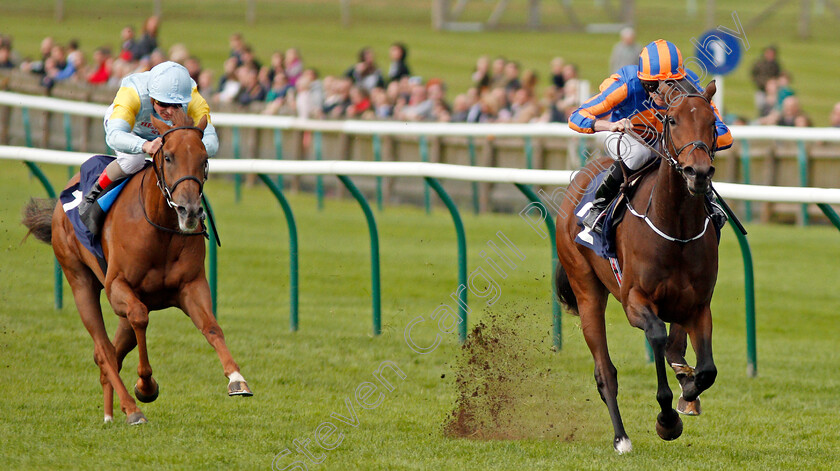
(72, 197)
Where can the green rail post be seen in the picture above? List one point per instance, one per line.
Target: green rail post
(319, 179)
(68, 141)
(471, 149)
(582, 153)
(27, 126)
(293, 250)
(424, 156)
(377, 156)
(745, 170)
(802, 159)
(462, 256)
(59, 287)
(236, 142)
(374, 253)
(556, 311)
(830, 214)
(278, 153)
(213, 259)
(749, 295)
(529, 153)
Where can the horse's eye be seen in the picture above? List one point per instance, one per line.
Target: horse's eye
(672, 121)
(167, 157)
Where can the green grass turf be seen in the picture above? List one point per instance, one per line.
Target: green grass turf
(314, 27)
(50, 398)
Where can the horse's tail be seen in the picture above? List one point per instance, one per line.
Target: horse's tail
(37, 216)
(563, 290)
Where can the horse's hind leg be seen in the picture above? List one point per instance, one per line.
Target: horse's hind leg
(87, 302)
(125, 303)
(675, 356)
(668, 422)
(592, 323)
(196, 302)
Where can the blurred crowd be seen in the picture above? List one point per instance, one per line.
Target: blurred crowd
(500, 91)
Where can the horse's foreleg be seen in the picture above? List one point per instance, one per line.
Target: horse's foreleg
(125, 303)
(701, 339)
(606, 377)
(196, 302)
(675, 356)
(668, 422)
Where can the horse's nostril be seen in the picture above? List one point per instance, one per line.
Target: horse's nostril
(182, 211)
(711, 172)
(690, 172)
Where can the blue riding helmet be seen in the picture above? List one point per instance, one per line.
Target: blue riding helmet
(170, 83)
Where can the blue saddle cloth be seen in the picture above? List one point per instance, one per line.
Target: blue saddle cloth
(72, 197)
(602, 244)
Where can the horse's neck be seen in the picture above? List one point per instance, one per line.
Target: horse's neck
(673, 209)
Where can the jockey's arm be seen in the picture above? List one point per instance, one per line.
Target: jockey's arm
(197, 109)
(120, 122)
(587, 118)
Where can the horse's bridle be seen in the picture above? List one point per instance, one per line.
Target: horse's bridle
(161, 175)
(166, 189)
(668, 140)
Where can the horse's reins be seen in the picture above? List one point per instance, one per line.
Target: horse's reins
(167, 190)
(668, 143)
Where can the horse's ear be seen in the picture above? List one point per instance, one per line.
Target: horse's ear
(160, 125)
(202, 123)
(711, 88)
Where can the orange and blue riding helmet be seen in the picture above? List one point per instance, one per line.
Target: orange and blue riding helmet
(660, 60)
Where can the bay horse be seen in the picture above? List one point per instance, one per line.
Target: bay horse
(669, 263)
(155, 259)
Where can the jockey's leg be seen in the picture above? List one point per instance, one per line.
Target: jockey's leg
(124, 166)
(716, 213)
(605, 193)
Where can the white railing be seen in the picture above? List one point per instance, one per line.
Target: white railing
(420, 169)
(384, 128)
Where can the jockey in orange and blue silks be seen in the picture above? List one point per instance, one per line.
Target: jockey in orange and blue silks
(128, 122)
(629, 98)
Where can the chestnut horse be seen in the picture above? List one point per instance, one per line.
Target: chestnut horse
(669, 261)
(155, 259)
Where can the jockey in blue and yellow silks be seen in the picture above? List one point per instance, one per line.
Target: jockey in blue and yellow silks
(630, 98)
(128, 123)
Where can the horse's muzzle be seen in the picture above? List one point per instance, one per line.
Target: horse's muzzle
(699, 180)
(189, 217)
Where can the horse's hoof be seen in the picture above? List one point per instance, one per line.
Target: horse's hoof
(136, 418)
(688, 408)
(239, 388)
(147, 397)
(622, 445)
(671, 429)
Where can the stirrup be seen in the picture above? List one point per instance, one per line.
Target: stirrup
(593, 218)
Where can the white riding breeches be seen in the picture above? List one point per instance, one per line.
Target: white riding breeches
(131, 163)
(633, 153)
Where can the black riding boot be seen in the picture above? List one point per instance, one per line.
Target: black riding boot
(716, 213)
(605, 193)
(84, 209)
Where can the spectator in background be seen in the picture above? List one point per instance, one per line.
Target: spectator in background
(337, 97)
(791, 114)
(193, 65)
(398, 68)
(481, 74)
(101, 73)
(557, 79)
(625, 51)
(460, 108)
(128, 44)
(365, 73)
(382, 107)
(511, 74)
(293, 65)
(834, 117)
(205, 83)
(280, 88)
(39, 66)
(497, 72)
(251, 89)
(6, 57)
(419, 107)
(360, 104)
(148, 40)
(237, 46)
(764, 69)
(229, 82)
(179, 53)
